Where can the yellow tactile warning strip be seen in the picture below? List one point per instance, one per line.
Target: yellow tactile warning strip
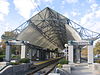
(46, 61)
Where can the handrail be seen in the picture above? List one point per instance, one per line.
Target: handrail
(3, 67)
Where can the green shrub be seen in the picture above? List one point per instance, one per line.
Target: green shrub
(14, 63)
(1, 57)
(2, 51)
(59, 65)
(63, 61)
(97, 61)
(16, 57)
(24, 60)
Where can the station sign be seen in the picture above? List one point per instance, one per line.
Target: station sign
(14, 42)
(82, 42)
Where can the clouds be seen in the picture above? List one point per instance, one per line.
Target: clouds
(1, 17)
(24, 7)
(93, 14)
(35, 13)
(48, 1)
(4, 9)
(91, 1)
(66, 14)
(71, 1)
(86, 18)
(97, 14)
(91, 20)
(74, 14)
(94, 6)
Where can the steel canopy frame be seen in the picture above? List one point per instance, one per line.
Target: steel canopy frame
(85, 33)
(52, 26)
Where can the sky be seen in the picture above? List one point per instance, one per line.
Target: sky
(84, 12)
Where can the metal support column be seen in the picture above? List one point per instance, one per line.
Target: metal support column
(30, 54)
(48, 55)
(8, 53)
(90, 54)
(78, 55)
(23, 51)
(70, 56)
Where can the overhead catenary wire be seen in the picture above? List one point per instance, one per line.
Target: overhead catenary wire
(37, 6)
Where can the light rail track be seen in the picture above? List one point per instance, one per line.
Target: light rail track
(43, 65)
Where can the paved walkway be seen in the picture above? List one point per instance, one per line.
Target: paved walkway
(82, 70)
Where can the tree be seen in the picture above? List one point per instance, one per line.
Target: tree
(97, 48)
(8, 36)
(84, 52)
(2, 48)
